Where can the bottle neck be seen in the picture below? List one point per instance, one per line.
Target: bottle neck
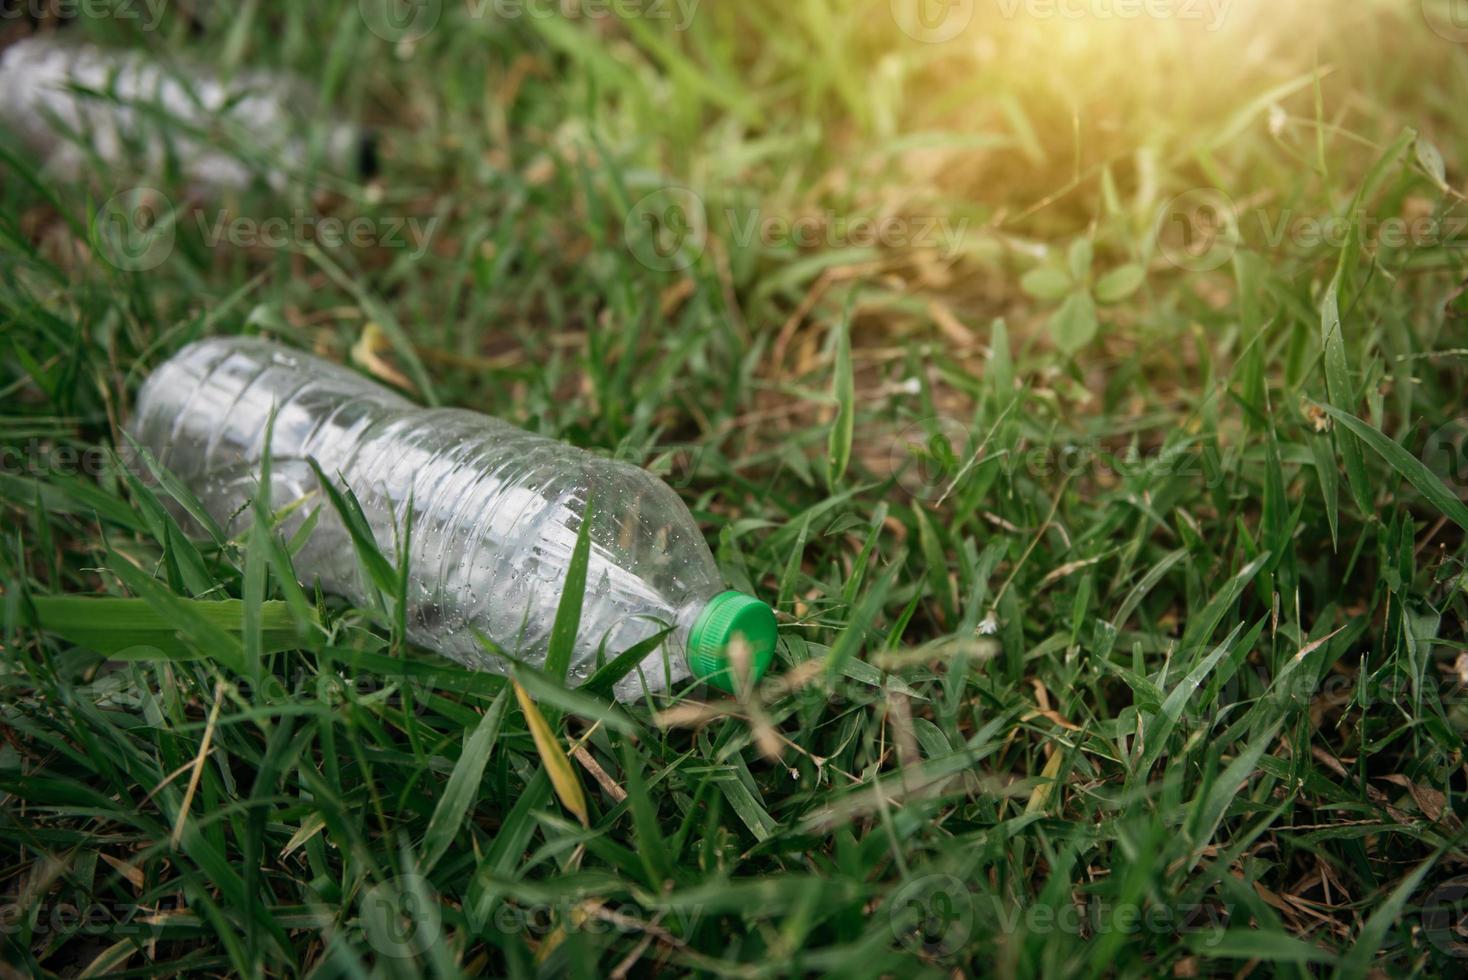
(683, 625)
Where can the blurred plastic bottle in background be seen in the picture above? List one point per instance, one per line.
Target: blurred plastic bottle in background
(495, 514)
(70, 101)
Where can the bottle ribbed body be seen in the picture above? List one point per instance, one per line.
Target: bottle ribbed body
(495, 510)
(72, 100)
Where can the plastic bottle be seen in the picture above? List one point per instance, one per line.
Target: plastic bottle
(69, 101)
(495, 514)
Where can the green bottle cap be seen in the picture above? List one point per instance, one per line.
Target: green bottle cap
(728, 618)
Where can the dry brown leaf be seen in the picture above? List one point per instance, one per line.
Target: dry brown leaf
(603, 779)
(131, 872)
(1329, 761)
(1066, 569)
(1432, 803)
(369, 351)
(675, 296)
(951, 326)
(557, 765)
(692, 714)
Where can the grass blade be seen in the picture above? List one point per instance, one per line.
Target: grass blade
(114, 625)
(458, 795)
(1407, 466)
(1338, 385)
(568, 613)
(843, 391)
(651, 846)
(569, 701)
(380, 571)
(605, 679)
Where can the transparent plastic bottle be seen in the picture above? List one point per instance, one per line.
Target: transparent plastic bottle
(69, 101)
(495, 514)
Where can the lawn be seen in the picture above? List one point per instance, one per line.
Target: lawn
(1082, 381)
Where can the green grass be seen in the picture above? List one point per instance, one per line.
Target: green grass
(1121, 604)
